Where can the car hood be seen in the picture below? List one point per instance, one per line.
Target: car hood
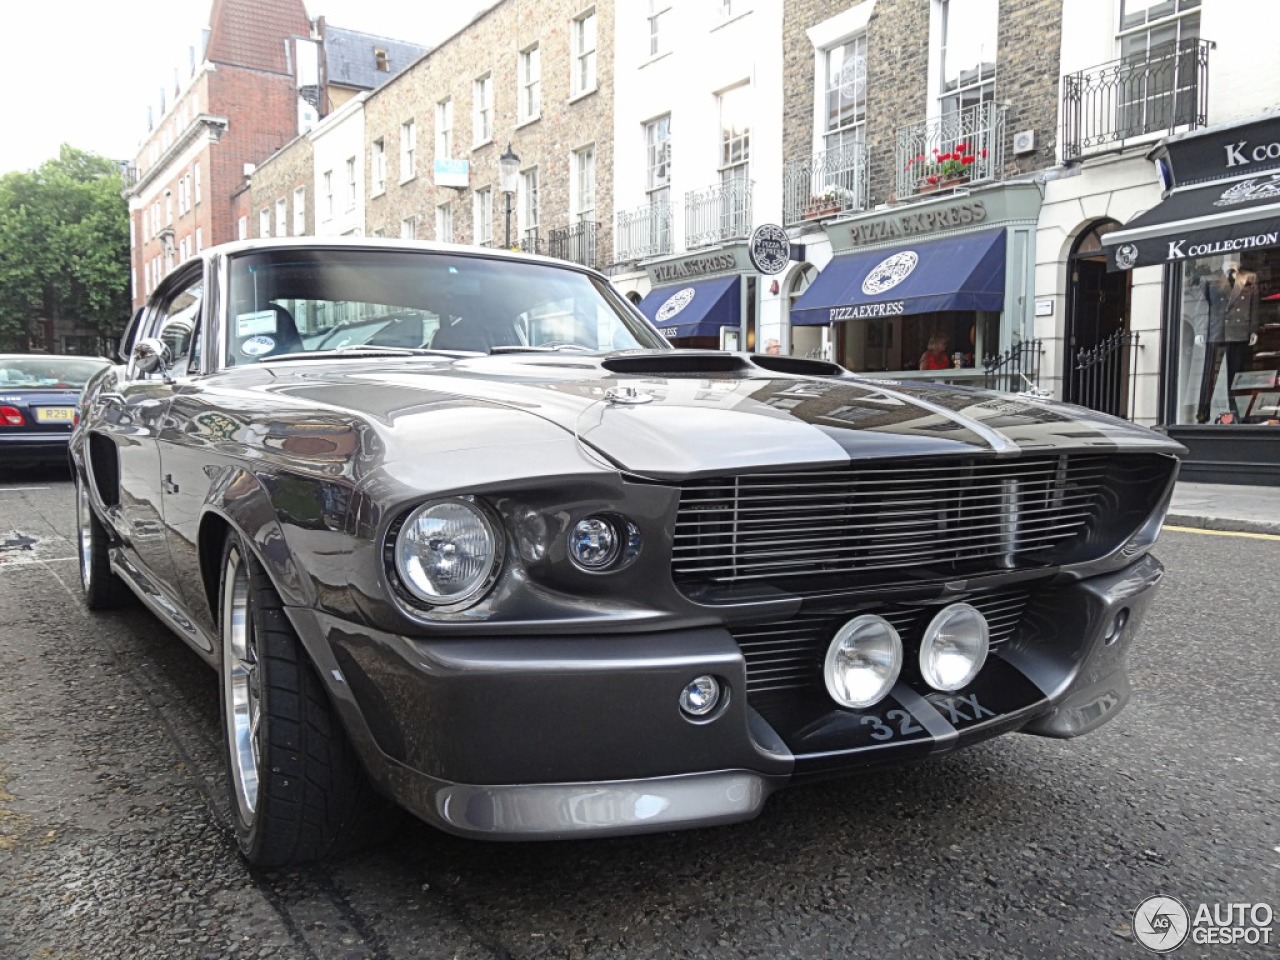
(678, 414)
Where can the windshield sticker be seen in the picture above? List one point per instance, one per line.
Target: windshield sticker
(252, 324)
(258, 346)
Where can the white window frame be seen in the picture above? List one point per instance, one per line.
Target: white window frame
(327, 180)
(855, 130)
(529, 94)
(378, 166)
(195, 181)
(408, 150)
(444, 129)
(242, 228)
(299, 211)
(582, 64)
(530, 203)
(409, 228)
(482, 110)
(984, 86)
(582, 183)
(352, 184)
(264, 222)
(444, 222)
(282, 217)
(657, 151)
(199, 239)
(658, 9)
(482, 216)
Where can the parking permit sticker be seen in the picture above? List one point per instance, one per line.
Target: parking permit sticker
(252, 324)
(258, 346)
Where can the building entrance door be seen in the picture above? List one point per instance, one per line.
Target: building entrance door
(1099, 343)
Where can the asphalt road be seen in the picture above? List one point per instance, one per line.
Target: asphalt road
(114, 837)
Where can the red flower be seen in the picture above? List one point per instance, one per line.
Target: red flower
(931, 180)
(984, 153)
(968, 159)
(962, 148)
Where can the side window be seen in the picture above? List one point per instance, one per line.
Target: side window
(180, 328)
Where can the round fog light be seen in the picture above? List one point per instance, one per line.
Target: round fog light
(954, 647)
(700, 696)
(863, 661)
(594, 543)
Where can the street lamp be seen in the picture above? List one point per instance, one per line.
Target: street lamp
(508, 177)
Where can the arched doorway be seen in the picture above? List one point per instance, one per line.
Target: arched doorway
(1096, 355)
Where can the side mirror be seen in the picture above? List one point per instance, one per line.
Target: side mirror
(150, 355)
(125, 350)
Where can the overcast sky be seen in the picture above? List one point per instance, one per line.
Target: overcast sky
(83, 72)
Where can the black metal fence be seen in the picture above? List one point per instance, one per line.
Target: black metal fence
(1165, 88)
(1102, 376)
(1016, 369)
(576, 243)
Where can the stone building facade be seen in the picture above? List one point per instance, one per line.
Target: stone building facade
(286, 177)
(462, 103)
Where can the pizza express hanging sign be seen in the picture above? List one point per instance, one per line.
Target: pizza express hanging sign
(918, 222)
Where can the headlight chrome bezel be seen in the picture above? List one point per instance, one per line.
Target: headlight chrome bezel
(408, 592)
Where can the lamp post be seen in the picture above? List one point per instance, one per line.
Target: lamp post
(508, 176)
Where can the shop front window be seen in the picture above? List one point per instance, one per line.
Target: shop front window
(1228, 340)
(943, 342)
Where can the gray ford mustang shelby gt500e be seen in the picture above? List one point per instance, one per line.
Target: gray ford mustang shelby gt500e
(458, 528)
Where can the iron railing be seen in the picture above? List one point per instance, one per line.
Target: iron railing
(643, 232)
(717, 214)
(1016, 370)
(1163, 89)
(530, 242)
(975, 133)
(827, 184)
(575, 243)
(1102, 375)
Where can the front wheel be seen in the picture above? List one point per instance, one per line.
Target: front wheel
(298, 791)
(103, 590)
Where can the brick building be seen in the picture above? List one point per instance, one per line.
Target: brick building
(914, 132)
(534, 75)
(238, 106)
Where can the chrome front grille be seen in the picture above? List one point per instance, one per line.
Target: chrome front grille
(789, 655)
(939, 517)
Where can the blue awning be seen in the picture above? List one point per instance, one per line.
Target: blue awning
(697, 309)
(964, 272)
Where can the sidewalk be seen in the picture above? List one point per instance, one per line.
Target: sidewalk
(1215, 506)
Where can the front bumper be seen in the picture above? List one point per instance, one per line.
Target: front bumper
(525, 738)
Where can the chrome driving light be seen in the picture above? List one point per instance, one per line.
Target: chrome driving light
(700, 696)
(863, 661)
(446, 551)
(954, 647)
(594, 543)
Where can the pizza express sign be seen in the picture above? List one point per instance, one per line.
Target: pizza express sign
(921, 222)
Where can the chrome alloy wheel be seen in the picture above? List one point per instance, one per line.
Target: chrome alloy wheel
(240, 685)
(84, 526)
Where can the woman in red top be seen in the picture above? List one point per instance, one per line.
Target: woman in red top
(935, 358)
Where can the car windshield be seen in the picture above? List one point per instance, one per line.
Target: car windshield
(53, 373)
(294, 301)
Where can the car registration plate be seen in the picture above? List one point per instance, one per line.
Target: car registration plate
(55, 414)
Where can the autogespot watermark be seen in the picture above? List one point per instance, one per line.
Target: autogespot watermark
(1162, 924)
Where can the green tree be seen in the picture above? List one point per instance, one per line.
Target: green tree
(64, 248)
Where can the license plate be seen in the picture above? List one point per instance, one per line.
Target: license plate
(55, 414)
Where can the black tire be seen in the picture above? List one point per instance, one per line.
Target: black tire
(311, 797)
(103, 590)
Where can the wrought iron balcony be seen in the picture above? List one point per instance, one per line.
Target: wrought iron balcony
(643, 232)
(829, 183)
(1164, 89)
(575, 243)
(717, 214)
(955, 150)
(530, 242)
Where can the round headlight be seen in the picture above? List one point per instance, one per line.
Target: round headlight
(954, 647)
(445, 551)
(863, 661)
(594, 543)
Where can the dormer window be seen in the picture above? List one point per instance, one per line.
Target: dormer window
(382, 60)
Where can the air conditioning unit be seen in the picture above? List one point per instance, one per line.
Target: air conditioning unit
(1024, 141)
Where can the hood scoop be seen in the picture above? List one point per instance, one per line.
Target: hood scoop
(701, 363)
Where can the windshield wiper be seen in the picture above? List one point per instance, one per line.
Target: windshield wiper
(543, 348)
(366, 350)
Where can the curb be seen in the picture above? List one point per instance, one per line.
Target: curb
(1225, 524)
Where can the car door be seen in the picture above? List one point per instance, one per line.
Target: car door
(139, 410)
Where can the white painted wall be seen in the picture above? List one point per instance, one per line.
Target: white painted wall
(339, 138)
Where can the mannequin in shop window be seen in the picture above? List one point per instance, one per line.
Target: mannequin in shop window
(1231, 295)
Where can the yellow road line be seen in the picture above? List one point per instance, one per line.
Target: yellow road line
(1223, 533)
